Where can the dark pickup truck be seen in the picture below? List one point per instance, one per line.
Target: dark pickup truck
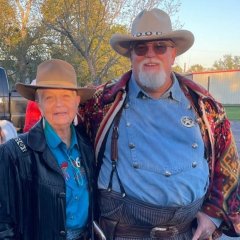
(12, 105)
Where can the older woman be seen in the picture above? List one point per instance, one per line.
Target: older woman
(45, 175)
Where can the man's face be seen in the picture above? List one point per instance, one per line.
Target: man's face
(152, 62)
(58, 106)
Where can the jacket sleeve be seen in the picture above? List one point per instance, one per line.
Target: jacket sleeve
(223, 200)
(8, 193)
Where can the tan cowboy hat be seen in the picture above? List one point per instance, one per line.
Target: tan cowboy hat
(55, 74)
(150, 25)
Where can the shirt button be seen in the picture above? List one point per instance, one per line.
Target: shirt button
(194, 145)
(76, 198)
(167, 174)
(194, 164)
(128, 124)
(135, 165)
(62, 233)
(72, 217)
(126, 105)
(131, 145)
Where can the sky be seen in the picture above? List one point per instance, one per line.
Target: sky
(216, 28)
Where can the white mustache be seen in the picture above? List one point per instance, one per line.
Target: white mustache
(147, 61)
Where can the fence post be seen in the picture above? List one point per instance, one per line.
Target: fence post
(208, 84)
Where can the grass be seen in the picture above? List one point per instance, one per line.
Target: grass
(233, 112)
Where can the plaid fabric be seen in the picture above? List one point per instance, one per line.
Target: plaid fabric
(223, 198)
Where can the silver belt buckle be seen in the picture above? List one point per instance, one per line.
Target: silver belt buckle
(154, 231)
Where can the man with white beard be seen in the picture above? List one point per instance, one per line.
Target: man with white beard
(163, 144)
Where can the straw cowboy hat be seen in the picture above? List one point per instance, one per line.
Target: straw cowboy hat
(55, 74)
(151, 25)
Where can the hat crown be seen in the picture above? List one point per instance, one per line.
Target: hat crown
(151, 25)
(56, 72)
(154, 20)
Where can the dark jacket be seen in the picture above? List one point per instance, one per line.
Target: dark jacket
(32, 189)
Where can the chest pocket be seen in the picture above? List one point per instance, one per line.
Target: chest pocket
(170, 169)
(174, 147)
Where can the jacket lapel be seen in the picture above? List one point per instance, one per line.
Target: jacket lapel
(37, 142)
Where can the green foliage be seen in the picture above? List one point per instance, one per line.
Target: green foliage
(228, 62)
(20, 43)
(177, 69)
(196, 68)
(72, 30)
(85, 32)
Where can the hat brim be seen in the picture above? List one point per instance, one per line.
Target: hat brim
(29, 91)
(183, 40)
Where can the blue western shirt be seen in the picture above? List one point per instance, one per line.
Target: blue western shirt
(161, 151)
(69, 160)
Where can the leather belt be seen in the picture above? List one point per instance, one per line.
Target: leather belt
(125, 230)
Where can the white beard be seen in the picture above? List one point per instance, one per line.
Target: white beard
(151, 80)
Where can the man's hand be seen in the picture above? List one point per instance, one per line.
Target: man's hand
(205, 227)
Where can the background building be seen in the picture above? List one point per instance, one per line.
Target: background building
(223, 85)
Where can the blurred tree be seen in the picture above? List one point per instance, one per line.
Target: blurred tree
(88, 26)
(76, 31)
(196, 68)
(177, 68)
(20, 38)
(228, 62)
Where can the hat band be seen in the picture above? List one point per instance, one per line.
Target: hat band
(149, 33)
(57, 84)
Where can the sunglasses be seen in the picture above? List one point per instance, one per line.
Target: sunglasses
(159, 47)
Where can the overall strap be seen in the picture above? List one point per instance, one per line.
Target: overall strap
(114, 153)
